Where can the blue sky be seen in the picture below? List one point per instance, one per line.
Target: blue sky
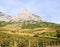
(49, 10)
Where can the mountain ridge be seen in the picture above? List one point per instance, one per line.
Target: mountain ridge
(24, 15)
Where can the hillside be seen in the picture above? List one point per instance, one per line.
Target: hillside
(28, 29)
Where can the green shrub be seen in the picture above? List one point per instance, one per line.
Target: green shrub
(36, 35)
(3, 23)
(58, 33)
(52, 34)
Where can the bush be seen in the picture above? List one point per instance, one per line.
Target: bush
(36, 35)
(3, 23)
(52, 34)
(58, 33)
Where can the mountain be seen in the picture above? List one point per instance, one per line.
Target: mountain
(24, 15)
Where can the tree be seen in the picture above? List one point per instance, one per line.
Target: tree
(58, 33)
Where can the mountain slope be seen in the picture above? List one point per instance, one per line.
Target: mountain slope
(40, 25)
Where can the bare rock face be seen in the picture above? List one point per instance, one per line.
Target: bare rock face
(24, 15)
(5, 17)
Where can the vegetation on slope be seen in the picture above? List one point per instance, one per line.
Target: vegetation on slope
(58, 33)
(39, 24)
(2, 23)
(29, 25)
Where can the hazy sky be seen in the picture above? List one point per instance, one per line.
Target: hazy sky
(49, 10)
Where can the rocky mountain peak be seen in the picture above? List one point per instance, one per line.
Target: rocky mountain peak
(25, 12)
(24, 15)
